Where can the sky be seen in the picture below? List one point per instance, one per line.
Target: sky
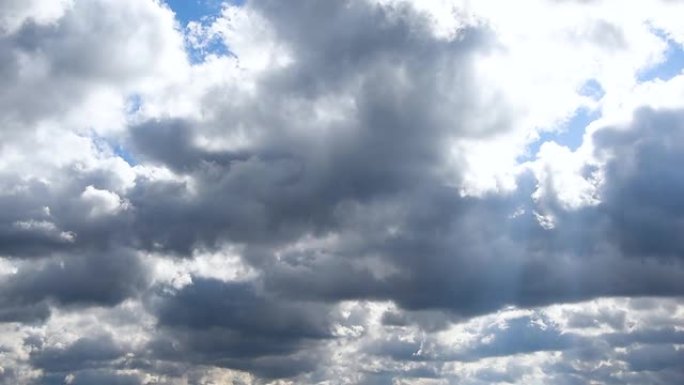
(372, 192)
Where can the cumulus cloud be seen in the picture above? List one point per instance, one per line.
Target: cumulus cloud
(348, 192)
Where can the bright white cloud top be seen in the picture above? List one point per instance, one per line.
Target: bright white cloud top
(341, 192)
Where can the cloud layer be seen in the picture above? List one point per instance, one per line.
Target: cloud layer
(349, 192)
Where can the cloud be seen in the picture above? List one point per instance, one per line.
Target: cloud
(345, 193)
(642, 186)
(61, 55)
(83, 353)
(232, 325)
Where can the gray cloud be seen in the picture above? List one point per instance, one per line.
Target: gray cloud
(105, 377)
(361, 207)
(643, 185)
(233, 325)
(101, 277)
(84, 353)
(52, 67)
(523, 335)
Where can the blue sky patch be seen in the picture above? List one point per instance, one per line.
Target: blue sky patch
(592, 89)
(124, 154)
(668, 68)
(109, 145)
(203, 11)
(194, 10)
(215, 46)
(569, 134)
(133, 104)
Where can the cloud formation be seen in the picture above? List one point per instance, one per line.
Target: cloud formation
(352, 192)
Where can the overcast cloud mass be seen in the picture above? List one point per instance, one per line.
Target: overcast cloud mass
(374, 192)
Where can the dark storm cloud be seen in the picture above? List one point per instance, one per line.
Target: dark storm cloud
(87, 352)
(170, 143)
(292, 177)
(211, 303)
(383, 42)
(102, 277)
(441, 263)
(63, 254)
(88, 377)
(26, 205)
(38, 218)
(88, 360)
(431, 320)
(644, 186)
(514, 261)
(656, 358)
(99, 278)
(21, 312)
(233, 325)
